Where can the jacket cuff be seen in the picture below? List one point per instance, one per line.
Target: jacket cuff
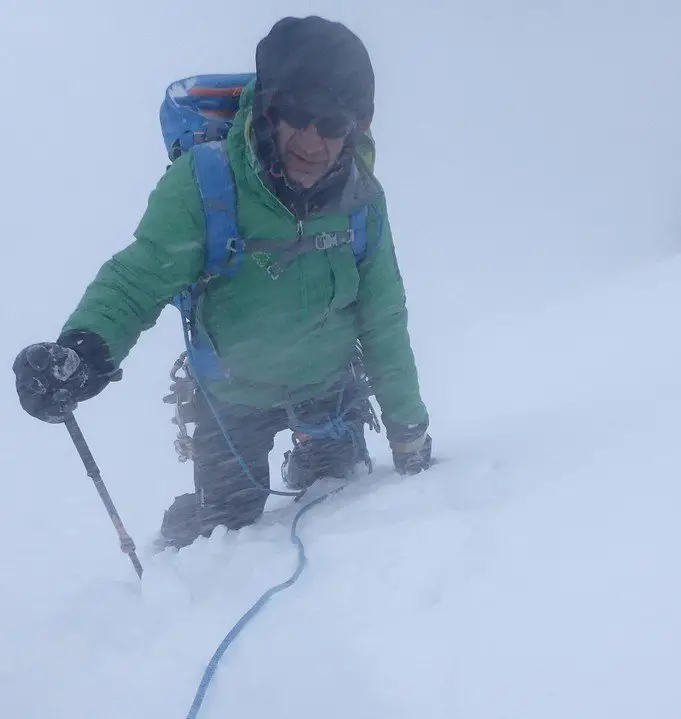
(400, 435)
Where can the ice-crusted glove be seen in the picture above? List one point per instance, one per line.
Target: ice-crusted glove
(411, 447)
(52, 377)
(50, 380)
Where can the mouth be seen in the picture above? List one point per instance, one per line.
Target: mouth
(305, 169)
(313, 163)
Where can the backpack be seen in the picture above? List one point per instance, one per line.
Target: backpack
(196, 115)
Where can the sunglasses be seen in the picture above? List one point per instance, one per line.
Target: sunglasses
(330, 127)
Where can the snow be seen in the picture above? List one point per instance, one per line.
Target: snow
(533, 572)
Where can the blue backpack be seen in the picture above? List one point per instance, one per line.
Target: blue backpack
(196, 115)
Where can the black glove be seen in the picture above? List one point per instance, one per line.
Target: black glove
(411, 447)
(52, 377)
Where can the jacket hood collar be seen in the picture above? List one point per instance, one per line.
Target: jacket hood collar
(348, 185)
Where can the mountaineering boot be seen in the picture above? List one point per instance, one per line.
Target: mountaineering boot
(314, 458)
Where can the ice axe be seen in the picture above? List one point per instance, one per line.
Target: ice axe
(127, 545)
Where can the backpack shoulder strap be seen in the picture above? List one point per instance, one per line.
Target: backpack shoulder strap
(215, 180)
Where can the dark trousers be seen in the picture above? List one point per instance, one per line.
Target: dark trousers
(224, 494)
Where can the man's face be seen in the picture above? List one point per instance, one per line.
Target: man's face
(305, 154)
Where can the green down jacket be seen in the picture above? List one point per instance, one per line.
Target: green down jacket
(282, 340)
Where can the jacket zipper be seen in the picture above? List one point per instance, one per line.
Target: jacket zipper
(300, 230)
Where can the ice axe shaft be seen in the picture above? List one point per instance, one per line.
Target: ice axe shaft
(127, 545)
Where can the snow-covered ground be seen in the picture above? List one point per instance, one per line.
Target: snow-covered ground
(531, 153)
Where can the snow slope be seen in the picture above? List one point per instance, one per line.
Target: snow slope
(533, 571)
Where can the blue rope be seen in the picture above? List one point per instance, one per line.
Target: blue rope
(259, 604)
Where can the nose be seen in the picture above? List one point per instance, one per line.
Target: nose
(309, 140)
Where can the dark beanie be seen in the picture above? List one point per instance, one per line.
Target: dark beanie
(320, 63)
